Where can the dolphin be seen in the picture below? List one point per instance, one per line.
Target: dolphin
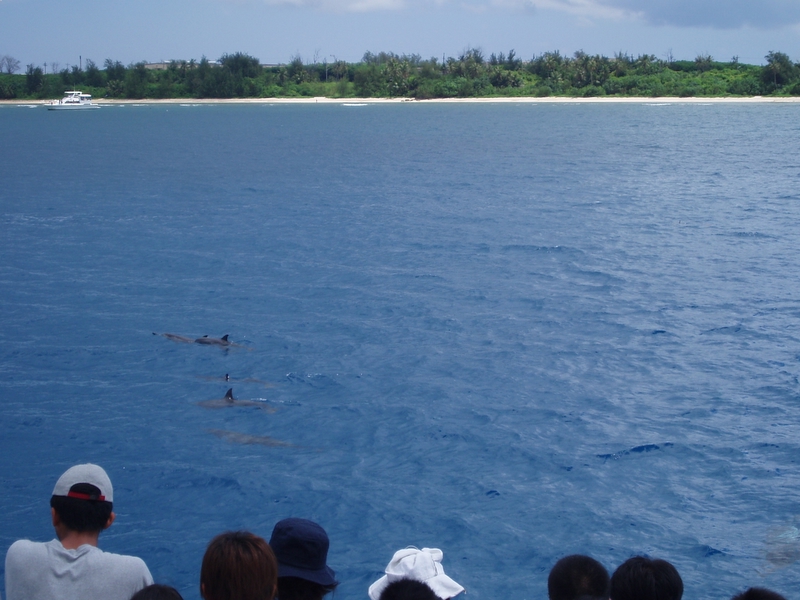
(229, 400)
(209, 341)
(181, 339)
(243, 438)
(783, 547)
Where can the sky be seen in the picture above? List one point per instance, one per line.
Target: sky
(68, 32)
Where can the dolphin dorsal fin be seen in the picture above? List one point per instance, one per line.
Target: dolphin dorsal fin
(225, 337)
(229, 395)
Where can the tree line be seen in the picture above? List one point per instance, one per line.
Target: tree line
(385, 74)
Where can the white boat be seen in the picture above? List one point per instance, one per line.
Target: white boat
(72, 100)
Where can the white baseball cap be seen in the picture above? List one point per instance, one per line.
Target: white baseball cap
(88, 473)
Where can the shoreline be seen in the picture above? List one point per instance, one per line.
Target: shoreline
(503, 100)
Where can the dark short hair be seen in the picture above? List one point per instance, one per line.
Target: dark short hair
(576, 576)
(407, 589)
(643, 578)
(238, 565)
(757, 593)
(297, 588)
(157, 591)
(83, 515)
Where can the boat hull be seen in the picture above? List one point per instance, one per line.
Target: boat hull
(72, 107)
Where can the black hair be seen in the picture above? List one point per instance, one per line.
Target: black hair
(297, 588)
(577, 576)
(643, 578)
(157, 591)
(756, 593)
(83, 515)
(408, 589)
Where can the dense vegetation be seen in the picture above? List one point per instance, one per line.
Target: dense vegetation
(388, 75)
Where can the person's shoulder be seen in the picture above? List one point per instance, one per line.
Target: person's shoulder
(121, 558)
(122, 561)
(22, 554)
(25, 547)
(27, 544)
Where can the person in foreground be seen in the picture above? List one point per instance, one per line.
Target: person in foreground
(301, 549)
(238, 565)
(408, 589)
(72, 566)
(157, 592)
(421, 565)
(757, 593)
(643, 578)
(577, 576)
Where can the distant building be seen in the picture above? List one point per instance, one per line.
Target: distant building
(166, 64)
(159, 66)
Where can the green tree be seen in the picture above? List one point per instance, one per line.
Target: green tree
(369, 81)
(136, 79)
(34, 79)
(296, 70)
(115, 70)
(703, 62)
(241, 64)
(779, 69)
(397, 74)
(94, 76)
(646, 64)
(512, 62)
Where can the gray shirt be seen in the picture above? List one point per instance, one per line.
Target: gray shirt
(48, 571)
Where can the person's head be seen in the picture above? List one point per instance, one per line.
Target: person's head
(157, 591)
(421, 565)
(643, 578)
(83, 499)
(295, 588)
(576, 576)
(756, 593)
(238, 565)
(408, 589)
(301, 549)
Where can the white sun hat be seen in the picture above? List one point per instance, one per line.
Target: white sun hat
(423, 565)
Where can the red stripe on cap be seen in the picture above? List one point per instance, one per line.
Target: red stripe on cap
(84, 496)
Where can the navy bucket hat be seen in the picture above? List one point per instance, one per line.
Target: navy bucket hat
(301, 547)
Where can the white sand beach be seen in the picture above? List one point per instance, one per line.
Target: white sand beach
(518, 100)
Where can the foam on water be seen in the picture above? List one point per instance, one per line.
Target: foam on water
(511, 334)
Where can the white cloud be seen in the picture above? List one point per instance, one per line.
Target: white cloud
(718, 14)
(580, 8)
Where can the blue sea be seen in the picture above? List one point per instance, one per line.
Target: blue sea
(509, 331)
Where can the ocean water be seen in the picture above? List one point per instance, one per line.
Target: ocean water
(509, 331)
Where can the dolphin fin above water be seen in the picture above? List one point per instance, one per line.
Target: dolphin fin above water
(209, 341)
(222, 342)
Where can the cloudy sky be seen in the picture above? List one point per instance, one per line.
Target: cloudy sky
(61, 31)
